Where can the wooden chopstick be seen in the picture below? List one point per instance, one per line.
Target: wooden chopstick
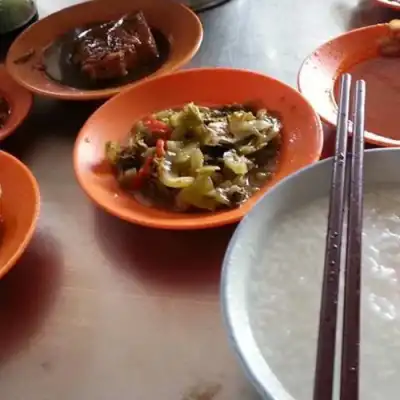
(325, 362)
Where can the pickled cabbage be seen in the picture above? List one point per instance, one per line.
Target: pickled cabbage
(198, 157)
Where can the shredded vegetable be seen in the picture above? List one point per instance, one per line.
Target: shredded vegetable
(198, 158)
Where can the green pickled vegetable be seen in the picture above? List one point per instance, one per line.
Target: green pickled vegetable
(220, 196)
(191, 116)
(241, 124)
(170, 179)
(112, 152)
(196, 161)
(197, 194)
(208, 170)
(236, 163)
(213, 158)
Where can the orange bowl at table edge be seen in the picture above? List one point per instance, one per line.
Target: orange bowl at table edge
(18, 98)
(180, 25)
(321, 69)
(301, 145)
(19, 208)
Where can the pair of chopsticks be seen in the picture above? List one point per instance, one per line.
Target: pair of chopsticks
(346, 192)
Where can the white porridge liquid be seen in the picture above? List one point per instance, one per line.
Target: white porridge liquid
(285, 288)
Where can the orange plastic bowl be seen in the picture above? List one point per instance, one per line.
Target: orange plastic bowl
(19, 209)
(302, 137)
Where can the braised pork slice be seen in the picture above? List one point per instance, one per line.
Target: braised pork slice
(112, 49)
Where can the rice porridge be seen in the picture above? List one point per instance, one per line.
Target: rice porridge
(285, 288)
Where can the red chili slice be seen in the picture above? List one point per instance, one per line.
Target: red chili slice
(157, 127)
(143, 173)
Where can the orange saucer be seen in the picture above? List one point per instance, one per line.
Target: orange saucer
(177, 23)
(356, 52)
(302, 137)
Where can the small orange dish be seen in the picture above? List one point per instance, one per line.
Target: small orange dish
(19, 209)
(393, 4)
(19, 101)
(178, 27)
(356, 52)
(302, 137)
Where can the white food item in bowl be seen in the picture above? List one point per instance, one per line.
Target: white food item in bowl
(272, 279)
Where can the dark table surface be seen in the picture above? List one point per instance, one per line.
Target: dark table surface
(92, 311)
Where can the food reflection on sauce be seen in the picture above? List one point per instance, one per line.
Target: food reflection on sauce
(106, 54)
(4, 111)
(382, 76)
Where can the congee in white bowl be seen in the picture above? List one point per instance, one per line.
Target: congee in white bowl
(272, 279)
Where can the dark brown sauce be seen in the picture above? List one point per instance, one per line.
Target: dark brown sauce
(58, 65)
(4, 111)
(382, 76)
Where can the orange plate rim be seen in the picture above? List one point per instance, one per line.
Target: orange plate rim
(5, 268)
(22, 108)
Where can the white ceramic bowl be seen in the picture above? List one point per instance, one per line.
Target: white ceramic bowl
(280, 363)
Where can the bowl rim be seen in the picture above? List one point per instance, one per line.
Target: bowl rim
(239, 335)
(10, 97)
(183, 224)
(35, 216)
(98, 94)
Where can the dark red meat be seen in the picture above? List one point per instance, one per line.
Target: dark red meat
(112, 49)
